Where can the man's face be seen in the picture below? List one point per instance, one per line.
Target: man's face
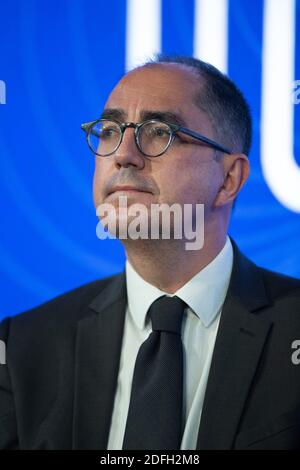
(187, 172)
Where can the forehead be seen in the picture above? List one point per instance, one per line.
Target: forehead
(167, 87)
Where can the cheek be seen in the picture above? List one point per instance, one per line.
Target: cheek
(99, 178)
(195, 183)
(177, 185)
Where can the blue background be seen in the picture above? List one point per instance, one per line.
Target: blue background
(59, 60)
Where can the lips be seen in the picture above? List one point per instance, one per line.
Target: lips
(127, 188)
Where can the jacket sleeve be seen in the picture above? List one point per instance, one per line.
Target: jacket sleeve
(8, 426)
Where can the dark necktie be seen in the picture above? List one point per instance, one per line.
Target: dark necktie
(154, 420)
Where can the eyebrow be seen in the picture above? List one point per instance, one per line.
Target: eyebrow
(120, 115)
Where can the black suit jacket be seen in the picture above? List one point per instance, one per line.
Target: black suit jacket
(57, 388)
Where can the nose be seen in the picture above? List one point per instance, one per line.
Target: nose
(128, 153)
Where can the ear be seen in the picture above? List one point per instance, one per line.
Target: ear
(236, 172)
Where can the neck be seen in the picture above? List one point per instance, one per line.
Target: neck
(166, 264)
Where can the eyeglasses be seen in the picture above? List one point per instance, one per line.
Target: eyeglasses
(152, 137)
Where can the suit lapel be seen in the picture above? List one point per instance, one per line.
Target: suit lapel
(98, 349)
(239, 344)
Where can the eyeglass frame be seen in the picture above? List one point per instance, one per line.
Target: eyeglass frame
(87, 127)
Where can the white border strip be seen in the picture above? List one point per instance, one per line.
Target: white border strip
(2, 92)
(279, 166)
(143, 31)
(211, 32)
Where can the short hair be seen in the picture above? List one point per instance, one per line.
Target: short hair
(221, 99)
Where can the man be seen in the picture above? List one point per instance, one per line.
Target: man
(91, 369)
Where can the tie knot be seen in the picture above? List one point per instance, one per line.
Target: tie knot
(166, 314)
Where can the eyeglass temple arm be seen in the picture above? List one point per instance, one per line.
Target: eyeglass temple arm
(201, 137)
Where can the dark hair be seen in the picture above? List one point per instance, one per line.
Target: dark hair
(221, 99)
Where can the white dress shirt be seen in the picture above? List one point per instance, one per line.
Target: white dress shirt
(204, 293)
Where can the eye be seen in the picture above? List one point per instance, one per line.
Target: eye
(108, 132)
(160, 132)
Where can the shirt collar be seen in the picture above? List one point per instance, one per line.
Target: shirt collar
(204, 293)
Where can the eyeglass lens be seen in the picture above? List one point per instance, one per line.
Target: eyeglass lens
(153, 137)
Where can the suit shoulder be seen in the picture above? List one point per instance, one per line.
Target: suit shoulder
(68, 306)
(280, 285)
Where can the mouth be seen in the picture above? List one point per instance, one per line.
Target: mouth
(127, 189)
